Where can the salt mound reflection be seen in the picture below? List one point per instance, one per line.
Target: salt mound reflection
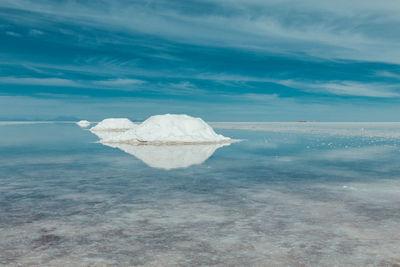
(169, 157)
(165, 157)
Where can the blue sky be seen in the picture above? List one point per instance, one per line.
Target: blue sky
(223, 60)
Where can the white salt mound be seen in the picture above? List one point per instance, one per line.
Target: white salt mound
(114, 124)
(83, 123)
(170, 128)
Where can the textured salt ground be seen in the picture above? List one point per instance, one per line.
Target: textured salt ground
(238, 223)
(257, 226)
(278, 199)
(364, 129)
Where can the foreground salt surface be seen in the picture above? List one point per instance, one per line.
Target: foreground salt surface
(279, 199)
(168, 128)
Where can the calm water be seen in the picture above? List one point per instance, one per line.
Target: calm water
(276, 198)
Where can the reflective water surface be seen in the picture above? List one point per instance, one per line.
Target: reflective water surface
(293, 198)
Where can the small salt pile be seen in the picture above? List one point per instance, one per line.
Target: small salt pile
(83, 123)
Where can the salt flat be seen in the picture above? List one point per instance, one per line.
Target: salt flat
(277, 198)
(367, 129)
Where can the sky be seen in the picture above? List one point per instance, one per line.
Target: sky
(222, 60)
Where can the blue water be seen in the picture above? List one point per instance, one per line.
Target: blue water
(288, 199)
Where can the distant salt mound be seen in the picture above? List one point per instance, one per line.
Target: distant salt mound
(170, 128)
(83, 123)
(114, 124)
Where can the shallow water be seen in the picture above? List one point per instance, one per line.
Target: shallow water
(293, 198)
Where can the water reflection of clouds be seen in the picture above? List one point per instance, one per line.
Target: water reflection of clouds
(358, 153)
(354, 163)
(351, 154)
(315, 157)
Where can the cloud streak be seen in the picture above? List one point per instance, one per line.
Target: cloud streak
(101, 84)
(349, 88)
(39, 81)
(119, 82)
(363, 30)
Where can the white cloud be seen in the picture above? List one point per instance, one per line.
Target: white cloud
(14, 34)
(358, 30)
(350, 88)
(260, 97)
(119, 82)
(336, 87)
(35, 32)
(388, 74)
(39, 81)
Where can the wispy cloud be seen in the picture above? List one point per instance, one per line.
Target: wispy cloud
(259, 52)
(363, 30)
(349, 88)
(181, 88)
(100, 84)
(119, 82)
(336, 87)
(14, 34)
(388, 74)
(39, 81)
(35, 32)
